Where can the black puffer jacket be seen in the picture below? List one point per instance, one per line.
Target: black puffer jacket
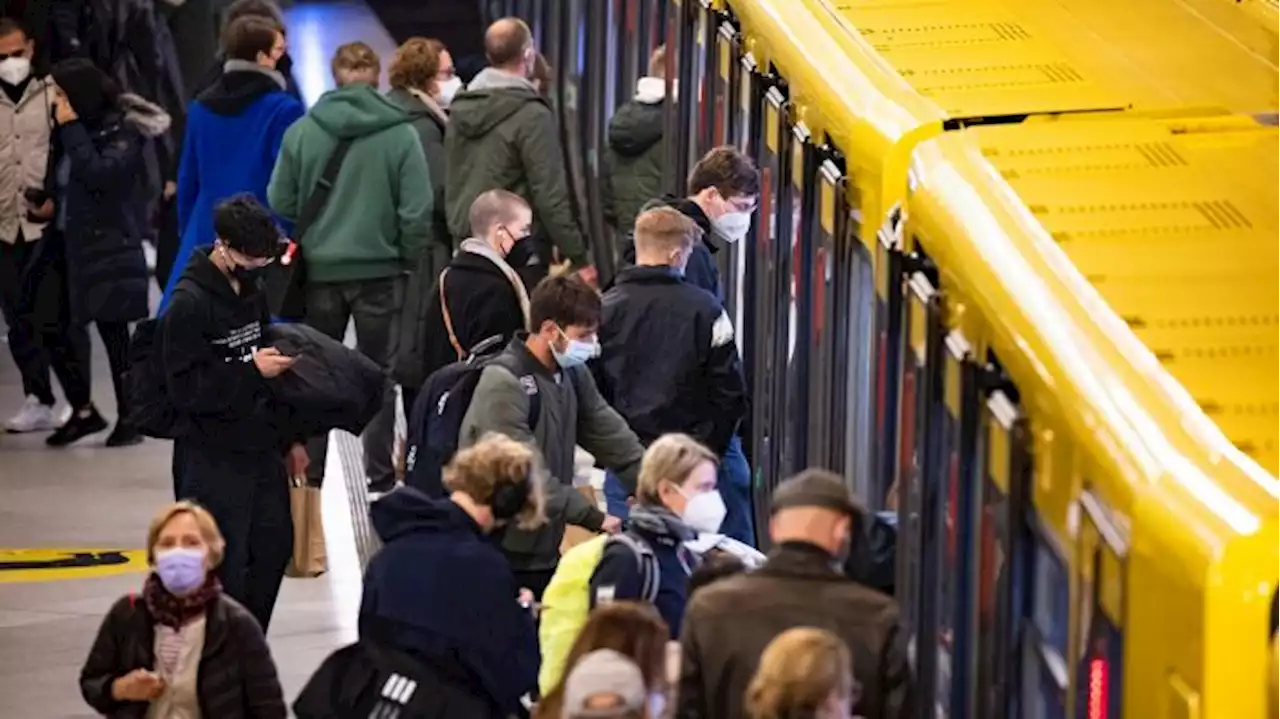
(330, 385)
(236, 678)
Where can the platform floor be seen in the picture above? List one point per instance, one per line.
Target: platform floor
(96, 498)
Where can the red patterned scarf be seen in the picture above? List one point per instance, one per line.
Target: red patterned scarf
(173, 611)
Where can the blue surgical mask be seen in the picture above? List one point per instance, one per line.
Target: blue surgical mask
(576, 352)
(181, 570)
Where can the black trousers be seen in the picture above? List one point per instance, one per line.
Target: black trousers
(24, 341)
(535, 580)
(247, 492)
(375, 306)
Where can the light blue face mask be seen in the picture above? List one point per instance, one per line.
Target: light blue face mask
(576, 352)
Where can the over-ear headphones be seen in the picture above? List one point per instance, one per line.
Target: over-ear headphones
(509, 499)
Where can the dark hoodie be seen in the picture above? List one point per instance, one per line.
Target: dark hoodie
(378, 215)
(449, 595)
(234, 131)
(505, 136)
(206, 339)
(633, 163)
(701, 270)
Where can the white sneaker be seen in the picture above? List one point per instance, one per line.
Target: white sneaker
(33, 417)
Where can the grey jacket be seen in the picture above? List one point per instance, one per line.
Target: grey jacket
(572, 412)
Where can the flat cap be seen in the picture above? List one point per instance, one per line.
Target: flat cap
(815, 488)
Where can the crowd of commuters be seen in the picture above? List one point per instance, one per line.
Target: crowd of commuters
(437, 218)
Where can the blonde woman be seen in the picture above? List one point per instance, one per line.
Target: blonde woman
(676, 498)
(441, 590)
(804, 673)
(182, 647)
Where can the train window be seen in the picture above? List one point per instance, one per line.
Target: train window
(825, 424)
(856, 352)
(725, 85)
(1045, 639)
(1103, 544)
(698, 129)
(797, 261)
(888, 267)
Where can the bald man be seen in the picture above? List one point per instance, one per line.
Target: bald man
(504, 133)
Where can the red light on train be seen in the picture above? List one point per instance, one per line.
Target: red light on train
(1098, 678)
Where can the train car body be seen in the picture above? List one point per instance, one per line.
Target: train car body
(1011, 275)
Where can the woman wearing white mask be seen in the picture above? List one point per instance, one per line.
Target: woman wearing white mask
(676, 501)
(182, 648)
(423, 82)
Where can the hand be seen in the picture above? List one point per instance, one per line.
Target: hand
(62, 110)
(528, 601)
(42, 212)
(589, 275)
(611, 525)
(139, 685)
(271, 363)
(298, 460)
(170, 189)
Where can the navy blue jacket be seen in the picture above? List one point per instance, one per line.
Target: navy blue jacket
(450, 594)
(668, 360)
(701, 270)
(619, 570)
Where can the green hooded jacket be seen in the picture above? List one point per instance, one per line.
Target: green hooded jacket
(633, 164)
(377, 219)
(502, 135)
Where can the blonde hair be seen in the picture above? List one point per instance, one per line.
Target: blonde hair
(208, 529)
(496, 460)
(354, 58)
(416, 64)
(665, 229)
(798, 672)
(672, 457)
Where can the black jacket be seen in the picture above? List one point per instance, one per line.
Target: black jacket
(482, 303)
(236, 678)
(668, 359)
(215, 73)
(701, 270)
(448, 594)
(330, 385)
(206, 338)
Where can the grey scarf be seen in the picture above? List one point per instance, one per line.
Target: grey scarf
(234, 65)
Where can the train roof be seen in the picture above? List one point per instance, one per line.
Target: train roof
(1009, 58)
(1155, 242)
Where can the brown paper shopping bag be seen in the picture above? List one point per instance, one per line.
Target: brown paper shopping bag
(573, 536)
(309, 558)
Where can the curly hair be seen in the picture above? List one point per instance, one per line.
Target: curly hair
(495, 460)
(416, 64)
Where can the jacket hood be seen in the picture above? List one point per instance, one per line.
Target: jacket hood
(635, 128)
(419, 104)
(147, 117)
(407, 511)
(237, 88)
(492, 97)
(357, 110)
(201, 272)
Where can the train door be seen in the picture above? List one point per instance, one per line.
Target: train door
(724, 88)
(917, 479)
(854, 358)
(801, 208)
(957, 522)
(1003, 552)
(1045, 632)
(683, 72)
(1103, 545)
(768, 255)
(889, 267)
(826, 429)
(701, 119)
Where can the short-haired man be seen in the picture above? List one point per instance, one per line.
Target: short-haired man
(669, 362)
(550, 361)
(24, 107)
(231, 455)
(504, 132)
(234, 131)
(479, 296)
(633, 162)
(368, 235)
(814, 522)
(266, 10)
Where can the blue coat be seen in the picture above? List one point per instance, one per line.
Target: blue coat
(449, 593)
(234, 131)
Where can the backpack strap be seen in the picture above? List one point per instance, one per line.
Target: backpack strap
(535, 397)
(320, 194)
(448, 318)
(650, 573)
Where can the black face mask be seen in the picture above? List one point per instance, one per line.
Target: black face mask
(284, 65)
(246, 276)
(523, 253)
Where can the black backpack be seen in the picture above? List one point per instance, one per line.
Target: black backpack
(436, 419)
(151, 411)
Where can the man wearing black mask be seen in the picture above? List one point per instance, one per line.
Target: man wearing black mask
(267, 10)
(25, 107)
(231, 457)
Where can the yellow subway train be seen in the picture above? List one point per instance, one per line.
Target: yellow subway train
(1012, 276)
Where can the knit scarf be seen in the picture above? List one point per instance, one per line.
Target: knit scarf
(482, 248)
(430, 102)
(174, 611)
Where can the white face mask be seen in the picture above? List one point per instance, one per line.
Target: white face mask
(732, 226)
(13, 70)
(447, 89)
(704, 511)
